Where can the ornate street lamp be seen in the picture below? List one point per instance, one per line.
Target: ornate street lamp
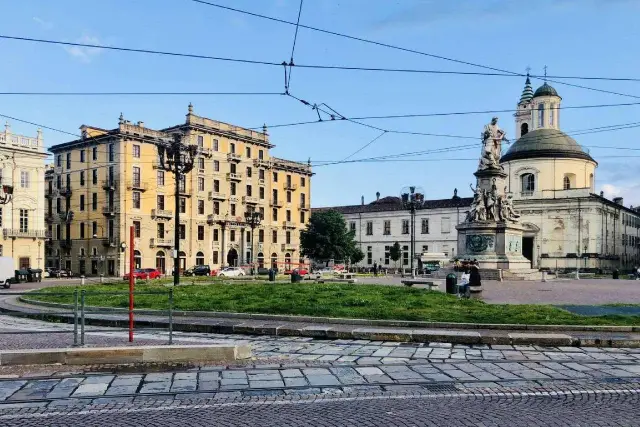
(412, 199)
(253, 218)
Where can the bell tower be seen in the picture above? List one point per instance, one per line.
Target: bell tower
(523, 115)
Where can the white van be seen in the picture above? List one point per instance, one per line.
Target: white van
(7, 271)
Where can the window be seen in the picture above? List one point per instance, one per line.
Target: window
(302, 217)
(288, 238)
(136, 200)
(248, 237)
(369, 254)
(59, 181)
(261, 174)
(232, 148)
(425, 248)
(303, 200)
(24, 220)
(405, 226)
(288, 196)
(387, 254)
(94, 229)
(200, 184)
(524, 129)
(261, 210)
(233, 209)
(445, 225)
(215, 145)
(201, 163)
(275, 214)
(68, 160)
(58, 205)
(216, 208)
(182, 231)
(288, 215)
(232, 188)
(136, 151)
(136, 229)
(303, 181)
(261, 193)
(260, 236)
(160, 201)
(112, 152)
(68, 180)
(249, 191)
(216, 235)
(59, 160)
(275, 177)
(552, 110)
(425, 225)
(24, 179)
(249, 171)
(160, 178)
(405, 255)
(200, 141)
(137, 259)
(183, 205)
(200, 207)
(216, 166)
(82, 155)
(94, 177)
(248, 152)
(216, 186)
(566, 183)
(215, 257)
(110, 175)
(94, 201)
(528, 181)
(82, 178)
(369, 229)
(232, 235)
(274, 236)
(94, 153)
(82, 202)
(274, 194)
(199, 258)
(260, 154)
(387, 228)
(201, 232)
(352, 226)
(541, 115)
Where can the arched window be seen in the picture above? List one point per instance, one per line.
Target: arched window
(566, 183)
(552, 112)
(287, 261)
(137, 259)
(528, 184)
(541, 115)
(274, 260)
(182, 259)
(524, 129)
(260, 260)
(199, 258)
(161, 264)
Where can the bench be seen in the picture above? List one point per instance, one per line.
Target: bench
(428, 283)
(346, 276)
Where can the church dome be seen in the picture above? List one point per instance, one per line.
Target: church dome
(546, 143)
(545, 90)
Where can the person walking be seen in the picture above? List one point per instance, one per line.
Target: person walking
(475, 281)
(375, 269)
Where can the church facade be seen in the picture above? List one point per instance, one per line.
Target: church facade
(551, 179)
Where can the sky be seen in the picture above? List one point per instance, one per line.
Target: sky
(570, 37)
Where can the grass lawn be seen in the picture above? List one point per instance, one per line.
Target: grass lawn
(335, 300)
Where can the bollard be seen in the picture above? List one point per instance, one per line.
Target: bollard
(82, 295)
(170, 316)
(500, 274)
(82, 280)
(102, 278)
(75, 317)
(544, 276)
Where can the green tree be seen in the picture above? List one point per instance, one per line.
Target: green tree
(357, 255)
(395, 253)
(326, 238)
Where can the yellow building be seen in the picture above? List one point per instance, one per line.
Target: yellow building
(110, 180)
(22, 166)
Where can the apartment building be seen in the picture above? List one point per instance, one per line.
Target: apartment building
(22, 167)
(110, 180)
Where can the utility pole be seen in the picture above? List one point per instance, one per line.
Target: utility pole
(177, 158)
(412, 198)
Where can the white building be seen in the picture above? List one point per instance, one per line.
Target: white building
(22, 218)
(552, 179)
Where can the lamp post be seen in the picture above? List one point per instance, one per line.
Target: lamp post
(412, 199)
(253, 218)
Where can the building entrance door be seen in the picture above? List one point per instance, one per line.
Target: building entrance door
(527, 249)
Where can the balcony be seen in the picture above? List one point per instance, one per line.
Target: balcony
(109, 211)
(49, 217)
(262, 163)
(526, 193)
(290, 186)
(249, 200)
(157, 164)
(289, 247)
(304, 207)
(34, 234)
(289, 224)
(160, 243)
(161, 213)
(261, 182)
(137, 185)
(65, 217)
(234, 157)
(216, 195)
(206, 152)
(109, 242)
(213, 218)
(65, 191)
(109, 185)
(184, 192)
(234, 176)
(276, 203)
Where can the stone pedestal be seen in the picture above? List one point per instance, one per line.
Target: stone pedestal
(496, 245)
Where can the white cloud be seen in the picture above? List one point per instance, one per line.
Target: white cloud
(629, 191)
(85, 54)
(46, 25)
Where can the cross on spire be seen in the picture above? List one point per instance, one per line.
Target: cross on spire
(528, 70)
(545, 73)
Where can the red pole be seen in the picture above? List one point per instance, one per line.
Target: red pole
(131, 282)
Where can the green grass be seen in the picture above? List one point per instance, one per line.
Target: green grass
(334, 300)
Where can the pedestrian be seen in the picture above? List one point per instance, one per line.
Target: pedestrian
(463, 287)
(638, 273)
(375, 268)
(475, 280)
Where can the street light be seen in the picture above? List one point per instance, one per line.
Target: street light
(253, 218)
(412, 199)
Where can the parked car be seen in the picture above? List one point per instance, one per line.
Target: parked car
(231, 272)
(7, 272)
(137, 274)
(198, 270)
(63, 272)
(152, 273)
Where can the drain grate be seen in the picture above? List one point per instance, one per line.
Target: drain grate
(440, 388)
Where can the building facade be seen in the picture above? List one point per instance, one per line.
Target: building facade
(109, 180)
(22, 167)
(552, 180)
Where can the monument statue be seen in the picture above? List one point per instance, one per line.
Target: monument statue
(492, 138)
(478, 211)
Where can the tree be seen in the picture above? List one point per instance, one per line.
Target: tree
(395, 252)
(326, 238)
(357, 255)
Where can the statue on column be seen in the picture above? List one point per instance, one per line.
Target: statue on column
(478, 211)
(492, 138)
(492, 203)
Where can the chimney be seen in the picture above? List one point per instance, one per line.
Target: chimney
(377, 195)
(141, 124)
(362, 200)
(618, 201)
(602, 194)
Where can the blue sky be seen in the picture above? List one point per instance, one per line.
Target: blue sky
(571, 37)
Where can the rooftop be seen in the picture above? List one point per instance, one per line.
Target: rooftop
(391, 203)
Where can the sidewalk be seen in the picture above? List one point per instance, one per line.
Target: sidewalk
(403, 331)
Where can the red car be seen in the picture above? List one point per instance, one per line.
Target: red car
(137, 274)
(152, 273)
(302, 271)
